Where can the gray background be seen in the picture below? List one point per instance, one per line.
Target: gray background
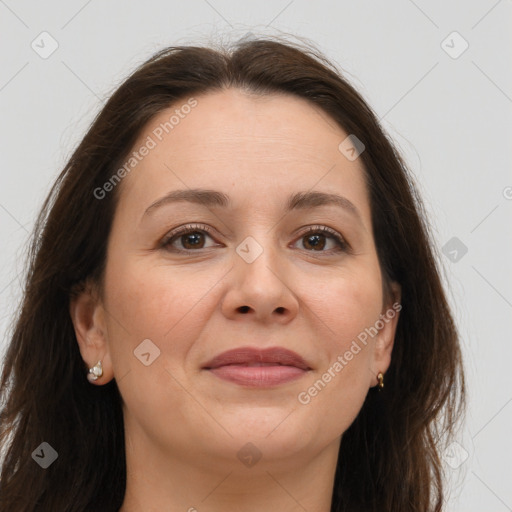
(449, 110)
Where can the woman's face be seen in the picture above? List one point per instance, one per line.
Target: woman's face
(256, 271)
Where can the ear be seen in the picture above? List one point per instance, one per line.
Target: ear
(88, 317)
(385, 338)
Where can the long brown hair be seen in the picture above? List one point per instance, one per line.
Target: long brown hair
(389, 458)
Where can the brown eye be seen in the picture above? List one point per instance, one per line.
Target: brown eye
(318, 238)
(194, 240)
(315, 242)
(187, 239)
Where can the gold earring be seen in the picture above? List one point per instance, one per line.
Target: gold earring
(95, 372)
(380, 377)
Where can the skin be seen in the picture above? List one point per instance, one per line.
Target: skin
(183, 425)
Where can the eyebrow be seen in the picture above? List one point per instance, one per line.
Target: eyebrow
(296, 201)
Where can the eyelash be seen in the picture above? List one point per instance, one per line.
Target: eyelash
(192, 228)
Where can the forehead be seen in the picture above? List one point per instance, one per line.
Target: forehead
(252, 145)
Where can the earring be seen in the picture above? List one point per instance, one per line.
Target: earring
(380, 377)
(95, 372)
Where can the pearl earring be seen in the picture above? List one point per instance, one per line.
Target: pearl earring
(95, 372)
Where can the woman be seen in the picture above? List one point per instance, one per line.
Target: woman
(232, 303)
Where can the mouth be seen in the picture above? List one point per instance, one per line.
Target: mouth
(254, 367)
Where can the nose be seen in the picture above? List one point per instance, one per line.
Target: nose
(260, 289)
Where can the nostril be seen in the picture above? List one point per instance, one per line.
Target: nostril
(244, 309)
(280, 310)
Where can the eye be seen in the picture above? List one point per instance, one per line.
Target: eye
(186, 239)
(316, 238)
(190, 237)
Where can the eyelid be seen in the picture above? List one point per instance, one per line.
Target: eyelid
(339, 239)
(186, 228)
(326, 230)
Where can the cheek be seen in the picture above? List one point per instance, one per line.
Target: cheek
(153, 301)
(347, 306)
(347, 309)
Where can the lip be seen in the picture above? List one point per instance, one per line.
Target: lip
(254, 367)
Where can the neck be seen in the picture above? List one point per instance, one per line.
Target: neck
(157, 481)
